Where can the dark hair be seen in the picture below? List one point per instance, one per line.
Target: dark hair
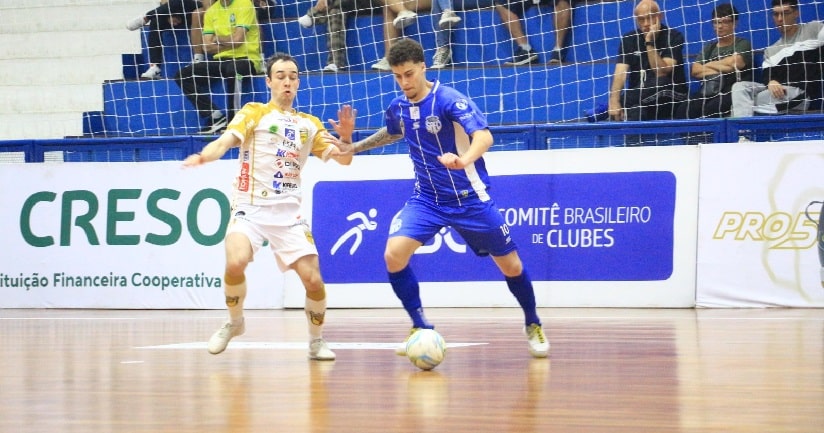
(274, 58)
(405, 50)
(791, 3)
(725, 10)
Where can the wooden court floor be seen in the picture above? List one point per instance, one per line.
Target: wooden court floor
(610, 370)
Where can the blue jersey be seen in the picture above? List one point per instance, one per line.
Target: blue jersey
(442, 122)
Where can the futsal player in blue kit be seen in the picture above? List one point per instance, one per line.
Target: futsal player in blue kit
(447, 136)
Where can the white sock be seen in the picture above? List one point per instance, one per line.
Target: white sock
(315, 314)
(199, 57)
(217, 114)
(526, 47)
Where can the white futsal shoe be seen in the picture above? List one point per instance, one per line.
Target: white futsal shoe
(220, 339)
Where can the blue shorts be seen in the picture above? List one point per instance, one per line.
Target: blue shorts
(481, 225)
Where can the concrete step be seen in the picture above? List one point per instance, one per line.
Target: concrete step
(70, 15)
(50, 98)
(40, 125)
(68, 45)
(84, 70)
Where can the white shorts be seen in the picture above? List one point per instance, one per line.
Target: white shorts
(288, 242)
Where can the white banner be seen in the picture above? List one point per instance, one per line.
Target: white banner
(120, 235)
(757, 247)
(150, 235)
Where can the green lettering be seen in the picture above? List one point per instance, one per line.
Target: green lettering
(175, 227)
(82, 221)
(112, 238)
(25, 219)
(192, 216)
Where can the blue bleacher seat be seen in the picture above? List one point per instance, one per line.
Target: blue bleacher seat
(508, 96)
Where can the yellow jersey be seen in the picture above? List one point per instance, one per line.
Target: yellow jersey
(274, 148)
(222, 20)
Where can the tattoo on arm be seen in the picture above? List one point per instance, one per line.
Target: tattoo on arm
(378, 139)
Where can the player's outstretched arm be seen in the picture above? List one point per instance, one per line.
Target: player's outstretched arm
(345, 126)
(333, 149)
(212, 151)
(380, 138)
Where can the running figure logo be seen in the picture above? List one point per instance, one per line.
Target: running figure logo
(357, 231)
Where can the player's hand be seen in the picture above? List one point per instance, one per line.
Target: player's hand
(654, 29)
(616, 111)
(451, 161)
(776, 89)
(345, 125)
(193, 160)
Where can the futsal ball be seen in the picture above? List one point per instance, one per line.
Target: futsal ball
(426, 349)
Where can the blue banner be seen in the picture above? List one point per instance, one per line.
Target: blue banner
(569, 227)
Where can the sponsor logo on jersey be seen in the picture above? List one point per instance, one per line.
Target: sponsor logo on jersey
(287, 163)
(289, 133)
(287, 175)
(283, 153)
(243, 179)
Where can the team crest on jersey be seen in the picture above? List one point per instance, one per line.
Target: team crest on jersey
(304, 135)
(433, 124)
(461, 104)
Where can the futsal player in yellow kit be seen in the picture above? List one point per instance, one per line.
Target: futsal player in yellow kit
(275, 141)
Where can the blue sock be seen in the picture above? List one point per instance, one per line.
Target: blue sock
(521, 287)
(406, 288)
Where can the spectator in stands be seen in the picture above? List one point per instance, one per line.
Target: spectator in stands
(335, 13)
(231, 35)
(265, 10)
(792, 67)
(315, 15)
(397, 15)
(171, 14)
(511, 12)
(650, 66)
(266, 212)
(444, 13)
(719, 65)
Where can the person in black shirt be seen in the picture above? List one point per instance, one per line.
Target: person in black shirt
(649, 79)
